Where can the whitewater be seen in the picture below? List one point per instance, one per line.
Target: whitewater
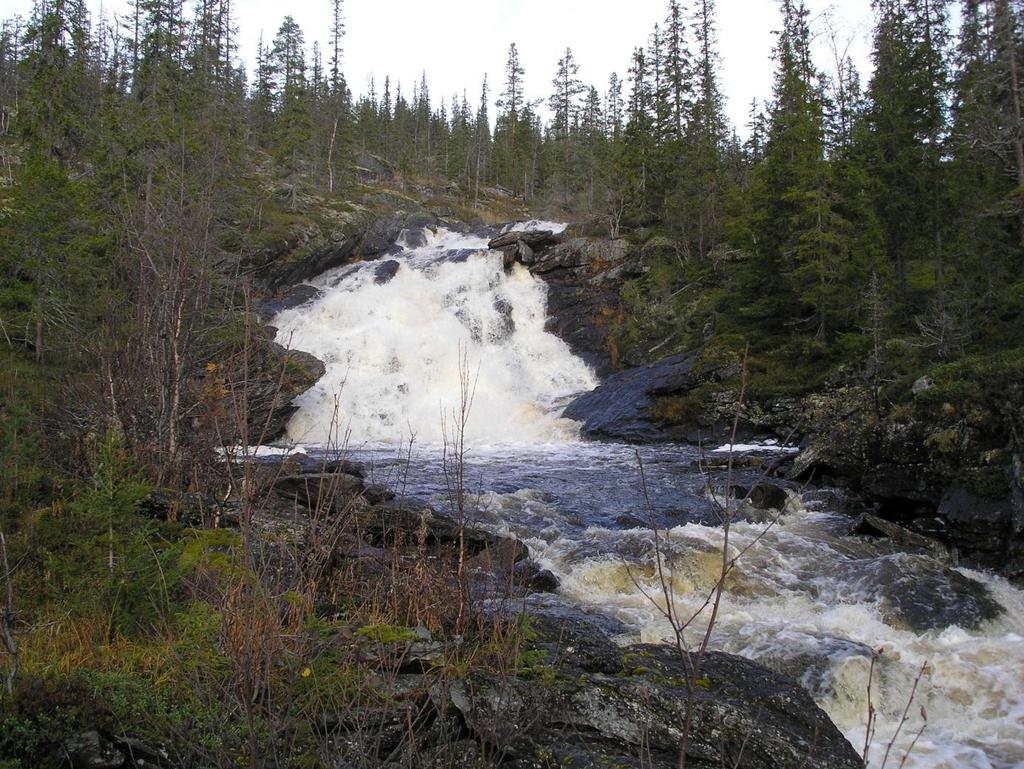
(401, 337)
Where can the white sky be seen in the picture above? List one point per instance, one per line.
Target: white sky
(457, 41)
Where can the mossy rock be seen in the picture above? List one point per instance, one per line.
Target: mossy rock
(387, 634)
(210, 548)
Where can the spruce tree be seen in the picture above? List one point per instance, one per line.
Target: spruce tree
(564, 103)
(509, 161)
(293, 126)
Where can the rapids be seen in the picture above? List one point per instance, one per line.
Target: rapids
(806, 598)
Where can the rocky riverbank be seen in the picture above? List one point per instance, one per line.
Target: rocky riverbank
(561, 692)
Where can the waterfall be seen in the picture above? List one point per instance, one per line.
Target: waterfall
(399, 335)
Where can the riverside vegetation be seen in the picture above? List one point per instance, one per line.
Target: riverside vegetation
(167, 605)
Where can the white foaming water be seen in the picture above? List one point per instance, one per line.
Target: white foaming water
(535, 224)
(794, 604)
(392, 349)
(805, 599)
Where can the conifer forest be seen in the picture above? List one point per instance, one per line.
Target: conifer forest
(549, 423)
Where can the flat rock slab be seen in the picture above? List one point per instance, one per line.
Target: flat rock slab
(620, 409)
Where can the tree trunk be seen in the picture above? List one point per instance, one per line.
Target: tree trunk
(330, 157)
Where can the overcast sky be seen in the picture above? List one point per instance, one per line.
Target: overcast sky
(458, 41)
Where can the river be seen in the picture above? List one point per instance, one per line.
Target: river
(438, 337)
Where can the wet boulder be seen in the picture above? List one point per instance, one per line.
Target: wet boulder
(385, 272)
(535, 579)
(318, 258)
(519, 252)
(421, 220)
(872, 526)
(295, 296)
(811, 659)
(582, 256)
(399, 522)
(535, 239)
(764, 496)
(275, 378)
(918, 593)
(414, 238)
(987, 529)
(302, 463)
(622, 408)
(506, 326)
(380, 236)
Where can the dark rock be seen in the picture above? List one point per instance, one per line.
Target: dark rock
(813, 663)
(532, 238)
(406, 654)
(331, 491)
(296, 296)
(413, 238)
(288, 374)
(610, 706)
(519, 252)
(377, 494)
(498, 558)
(920, 594)
(535, 579)
(311, 367)
(398, 522)
(385, 271)
(577, 643)
(321, 257)
(911, 482)
(873, 526)
(764, 496)
(421, 220)
(190, 510)
(90, 750)
(982, 528)
(622, 408)
(301, 463)
(380, 236)
(584, 278)
(582, 257)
